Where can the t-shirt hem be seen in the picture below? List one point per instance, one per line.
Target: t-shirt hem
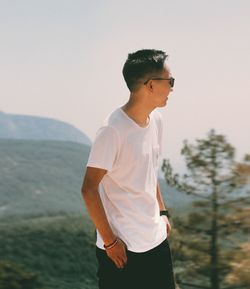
(141, 250)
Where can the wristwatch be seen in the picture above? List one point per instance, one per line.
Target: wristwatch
(165, 213)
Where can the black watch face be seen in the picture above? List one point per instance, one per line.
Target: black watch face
(165, 213)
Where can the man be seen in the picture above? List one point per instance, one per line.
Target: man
(120, 187)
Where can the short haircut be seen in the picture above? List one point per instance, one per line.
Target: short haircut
(142, 64)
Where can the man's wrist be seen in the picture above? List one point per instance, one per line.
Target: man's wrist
(109, 240)
(111, 245)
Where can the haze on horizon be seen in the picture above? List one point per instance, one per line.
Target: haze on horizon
(63, 59)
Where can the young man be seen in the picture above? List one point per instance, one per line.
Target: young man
(120, 187)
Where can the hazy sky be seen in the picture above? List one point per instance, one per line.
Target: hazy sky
(63, 59)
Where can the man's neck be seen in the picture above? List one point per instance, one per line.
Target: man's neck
(137, 112)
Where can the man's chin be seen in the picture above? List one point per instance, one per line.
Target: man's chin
(164, 104)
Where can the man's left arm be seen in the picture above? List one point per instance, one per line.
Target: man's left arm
(162, 207)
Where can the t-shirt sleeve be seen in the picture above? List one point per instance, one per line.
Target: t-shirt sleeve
(104, 149)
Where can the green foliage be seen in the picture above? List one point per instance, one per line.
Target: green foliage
(60, 250)
(14, 276)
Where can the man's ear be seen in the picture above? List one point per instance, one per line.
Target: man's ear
(149, 85)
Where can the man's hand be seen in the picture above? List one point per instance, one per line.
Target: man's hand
(168, 226)
(118, 254)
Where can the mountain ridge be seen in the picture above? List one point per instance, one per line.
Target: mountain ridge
(18, 126)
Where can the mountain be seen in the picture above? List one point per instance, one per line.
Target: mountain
(41, 177)
(14, 126)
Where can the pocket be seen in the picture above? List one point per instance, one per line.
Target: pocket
(155, 155)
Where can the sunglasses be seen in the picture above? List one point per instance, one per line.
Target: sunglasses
(170, 80)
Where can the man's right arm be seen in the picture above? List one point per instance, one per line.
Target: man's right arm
(90, 193)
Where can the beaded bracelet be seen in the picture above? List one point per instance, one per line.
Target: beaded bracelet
(107, 247)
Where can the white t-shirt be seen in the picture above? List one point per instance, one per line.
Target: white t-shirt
(130, 154)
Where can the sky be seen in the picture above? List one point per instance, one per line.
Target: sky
(63, 60)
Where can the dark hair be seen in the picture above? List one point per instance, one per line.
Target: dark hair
(141, 64)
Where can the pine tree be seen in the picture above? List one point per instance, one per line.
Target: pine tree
(207, 236)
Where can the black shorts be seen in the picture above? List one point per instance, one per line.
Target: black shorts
(152, 269)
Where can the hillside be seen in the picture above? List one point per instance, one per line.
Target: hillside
(14, 126)
(41, 177)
